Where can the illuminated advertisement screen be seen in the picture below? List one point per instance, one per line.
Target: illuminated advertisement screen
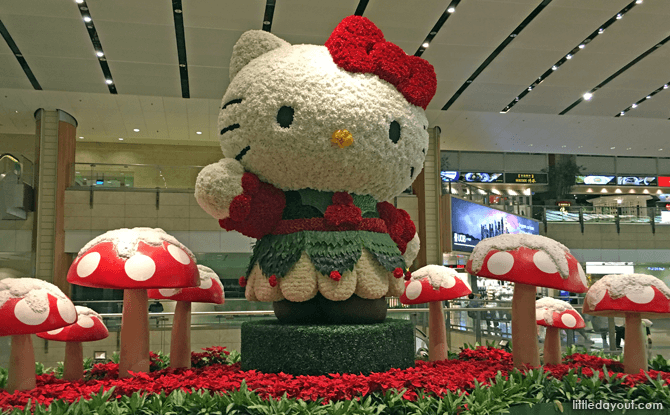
(595, 180)
(472, 222)
(480, 177)
(527, 178)
(636, 181)
(449, 176)
(664, 181)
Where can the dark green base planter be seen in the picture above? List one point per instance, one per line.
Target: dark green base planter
(272, 347)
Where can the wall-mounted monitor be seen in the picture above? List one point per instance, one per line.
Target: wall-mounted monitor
(449, 176)
(527, 178)
(481, 177)
(637, 181)
(596, 180)
(472, 222)
(605, 268)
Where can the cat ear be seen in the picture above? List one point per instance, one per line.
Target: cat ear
(251, 45)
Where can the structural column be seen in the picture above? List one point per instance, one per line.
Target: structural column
(56, 141)
(428, 189)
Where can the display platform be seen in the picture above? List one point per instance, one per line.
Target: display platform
(272, 347)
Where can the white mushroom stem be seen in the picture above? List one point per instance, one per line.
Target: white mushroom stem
(74, 361)
(21, 375)
(437, 326)
(524, 327)
(134, 333)
(180, 344)
(635, 352)
(552, 346)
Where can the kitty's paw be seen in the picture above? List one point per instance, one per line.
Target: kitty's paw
(217, 186)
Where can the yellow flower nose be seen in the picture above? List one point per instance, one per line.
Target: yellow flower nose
(342, 138)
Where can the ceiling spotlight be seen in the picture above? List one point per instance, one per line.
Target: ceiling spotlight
(100, 54)
(451, 9)
(563, 146)
(553, 68)
(634, 106)
(530, 88)
(580, 146)
(425, 44)
(582, 46)
(612, 148)
(601, 31)
(137, 130)
(568, 56)
(623, 113)
(198, 132)
(266, 22)
(619, 16)
(109, 81)
(638, 1)
(81, 138)
(665, 86)
(660, 149)
(120, 138)
(516, 99)
(628, 148)
(648, 97)
(588, 96)
(87, 19)
(79, 1)
(530, 145)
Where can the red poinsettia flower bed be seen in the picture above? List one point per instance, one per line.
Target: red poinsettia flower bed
(435, 378)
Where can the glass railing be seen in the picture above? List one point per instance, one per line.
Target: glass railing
(106, 176)
(600, 214)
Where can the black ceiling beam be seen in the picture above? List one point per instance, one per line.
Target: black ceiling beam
(269, 14)
(600, 30)
(497, 52)
(19, 56)
(440, 22)
(178, 14)
(619, 72)
(362, 4)
(93, 35)
(646, 97)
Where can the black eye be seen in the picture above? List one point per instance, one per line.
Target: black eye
(394, 132)
(285, 117)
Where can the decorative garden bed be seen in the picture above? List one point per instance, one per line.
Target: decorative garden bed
(480, 380)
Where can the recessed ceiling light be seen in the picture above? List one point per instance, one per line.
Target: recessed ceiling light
(81, 138)
(603, 191)
(582, 46)
(638, 1)
(618, 191)
(79, 1)
(553, 68)
(569, 56)
(665, 86)
(530, 88)
(109, 81)
(451, 9)
(648, 97)
(530, 145)
(137, 130)
(612, 148)
(580, 146)
(601, 31)
(619, 16)
(425, 44)
(100, 54)
(623, 113)
(634, 106)
(87, 19)
(563, 146)
(628, 148)
(198, 132)
(660, 149)
(120, 138)
(16, 112)
(588, 96)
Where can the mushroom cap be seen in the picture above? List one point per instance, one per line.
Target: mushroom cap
(134, 259)
(209, 291)
(29, 305)
(550, 312)
(434, 283)
(528, 259)
(88, 328)
(621, 294)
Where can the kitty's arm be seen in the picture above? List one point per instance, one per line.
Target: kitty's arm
(239, 199)
(401, 229)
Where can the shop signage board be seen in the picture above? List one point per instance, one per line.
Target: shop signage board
(664, 181)
(449, 176)
(472, 222)
(526, 178)
(637, 181)
(482, 177)
(596, 180)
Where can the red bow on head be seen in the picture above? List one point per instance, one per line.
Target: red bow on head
(357, 45)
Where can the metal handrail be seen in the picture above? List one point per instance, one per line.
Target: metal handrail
(135, 165)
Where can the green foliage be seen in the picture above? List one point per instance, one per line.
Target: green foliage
(562, 177)
(271, 347)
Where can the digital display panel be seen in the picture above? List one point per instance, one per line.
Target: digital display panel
(526, 178)
(595, 180)
(472, 222)
(449, 176)
(610, 268)
(664, 181)
(480, 177)
(636, 181)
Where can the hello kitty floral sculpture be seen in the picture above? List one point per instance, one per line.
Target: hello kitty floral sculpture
(316, 141)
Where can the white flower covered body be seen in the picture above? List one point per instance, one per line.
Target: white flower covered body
(323, 98)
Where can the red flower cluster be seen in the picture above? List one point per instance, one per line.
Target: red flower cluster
(273, 280)
(257, 210)
(399, 224)
(242, 281)
(434, 378)
(357, 45)
(335, 275)
(343, 214)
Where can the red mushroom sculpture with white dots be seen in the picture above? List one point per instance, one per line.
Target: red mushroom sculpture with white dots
(209, 291)
(433, 284)
(88, 328)
(529, 261)
(134, 260)
(29, 306)
(635, 297)
(555, 315)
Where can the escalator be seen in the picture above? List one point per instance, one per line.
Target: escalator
(16, 191)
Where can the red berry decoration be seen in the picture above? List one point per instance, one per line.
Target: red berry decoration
(242, 281)
(335, 275)
(273, 281)
(342, 198)
(398, 272)
(408, 276)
